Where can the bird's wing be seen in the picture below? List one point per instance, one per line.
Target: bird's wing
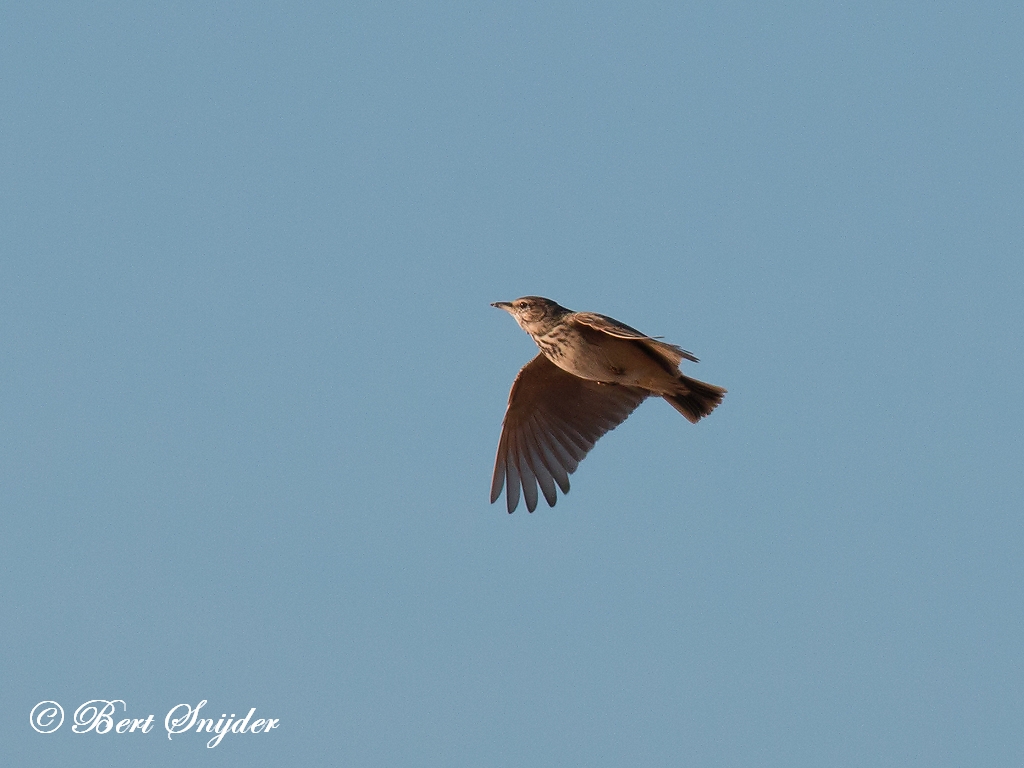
(613, 327)
(552, 421)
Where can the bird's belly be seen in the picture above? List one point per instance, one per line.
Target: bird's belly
(587, 367)
(613, 361)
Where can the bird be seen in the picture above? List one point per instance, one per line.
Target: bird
(591, 373)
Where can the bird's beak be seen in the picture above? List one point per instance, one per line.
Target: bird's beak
(503, 305)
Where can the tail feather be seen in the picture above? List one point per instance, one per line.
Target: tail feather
(698, 400)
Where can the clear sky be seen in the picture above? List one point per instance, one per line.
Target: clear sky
(251, 384)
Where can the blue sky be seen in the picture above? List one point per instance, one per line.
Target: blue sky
(252, 387)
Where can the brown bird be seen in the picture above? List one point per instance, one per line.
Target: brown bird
(591, 373)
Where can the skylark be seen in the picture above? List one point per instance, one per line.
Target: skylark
(591, 373)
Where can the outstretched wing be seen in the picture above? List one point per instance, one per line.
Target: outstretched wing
(613, 327)
(552, 421)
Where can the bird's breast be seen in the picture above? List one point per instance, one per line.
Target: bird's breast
(574, 353)
(601, 357)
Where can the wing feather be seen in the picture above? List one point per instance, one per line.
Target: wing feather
(553, 420)
(613, 327)
(539, 462)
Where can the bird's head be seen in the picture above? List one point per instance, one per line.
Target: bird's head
(535, 314)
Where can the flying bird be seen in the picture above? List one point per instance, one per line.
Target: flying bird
(591, 373)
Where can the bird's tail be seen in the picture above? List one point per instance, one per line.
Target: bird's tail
(696, 399)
